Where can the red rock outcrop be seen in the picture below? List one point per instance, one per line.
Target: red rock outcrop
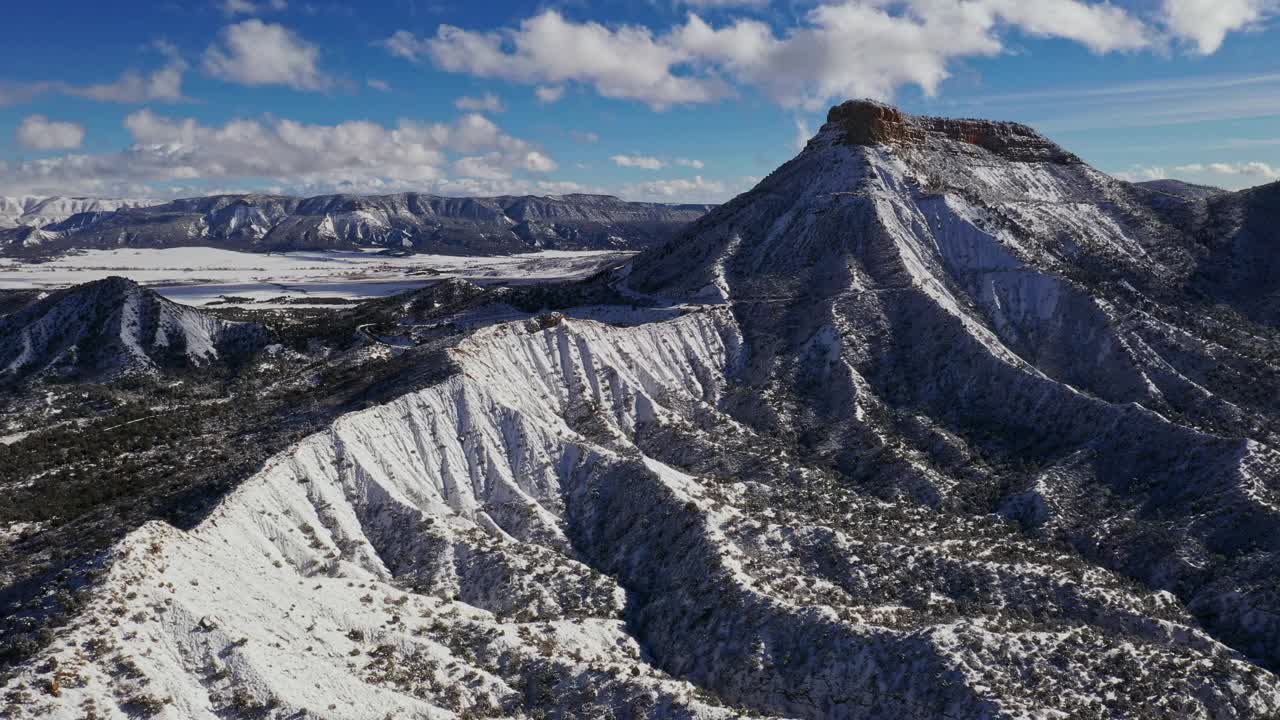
(866, 122)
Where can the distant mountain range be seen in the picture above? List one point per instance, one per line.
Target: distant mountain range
(403, 222)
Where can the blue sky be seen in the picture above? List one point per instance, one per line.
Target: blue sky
(671, 100)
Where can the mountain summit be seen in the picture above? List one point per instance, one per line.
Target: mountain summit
(866, 122)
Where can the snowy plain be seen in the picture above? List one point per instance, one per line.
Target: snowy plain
(201, 275)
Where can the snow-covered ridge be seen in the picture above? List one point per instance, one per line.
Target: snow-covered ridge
(114, 327)
(521, 539)
(36, 211)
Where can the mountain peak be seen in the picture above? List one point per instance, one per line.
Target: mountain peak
(114, 327)
(868, 122)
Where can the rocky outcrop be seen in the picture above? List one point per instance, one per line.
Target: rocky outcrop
(866, 122)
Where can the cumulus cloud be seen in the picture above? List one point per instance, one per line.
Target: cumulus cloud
(638, 161)
(379, 85)
(690, 163)
(548, 50)
(1226, 174)
(695, 189)
(256, 53)
(161, 85)
(1141, 173)
(803, 133)
(485, 103)
(548, 94)
(853, 48)
(166, 150)
(38, 132)
(1206, 23)
(1250, 169)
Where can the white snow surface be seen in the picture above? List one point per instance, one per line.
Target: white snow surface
(200, 275)
(37, 211)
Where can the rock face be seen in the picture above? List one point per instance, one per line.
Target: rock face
(865, 122)
(930, 429)
(113, 327)
(408, 221)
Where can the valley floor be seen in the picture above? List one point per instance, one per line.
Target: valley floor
(201, 275)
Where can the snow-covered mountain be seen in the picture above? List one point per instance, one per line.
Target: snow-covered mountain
(404, 221)
(936, 421)
(111, 328)
(35, 211)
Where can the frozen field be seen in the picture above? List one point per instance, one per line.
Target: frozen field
(198, 276)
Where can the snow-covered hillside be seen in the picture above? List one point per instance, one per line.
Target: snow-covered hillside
(521, 540)
(112, 327)
(35, 211)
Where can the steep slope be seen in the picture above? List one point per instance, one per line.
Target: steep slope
(518, 541)
(404, 221)
(114, 327)
(959, 313)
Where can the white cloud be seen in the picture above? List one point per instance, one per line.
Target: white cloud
(163, 85)
(38, 132)
(1227, 174)
(1250, 169)
(627, 62)
(245, 7)
(256, 53)
(348, 154)
(536, 162)
(1141, 173)
(1206, 23)
(485, 103)
(379, 85)
(689, 163)
(638, 161)
(803, 133)
(405, 44)
(686, 190)
(548, 94)
(847, 49)
(586, 138)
